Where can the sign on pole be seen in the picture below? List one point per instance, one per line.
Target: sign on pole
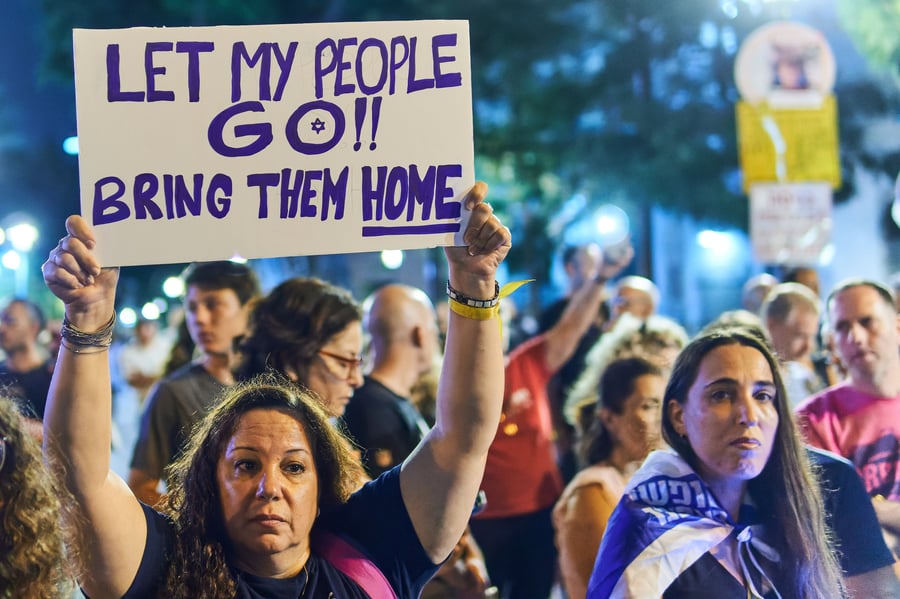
(202, 143)
(790, 223)
(788, 140)
(787, 115)
(789, 144)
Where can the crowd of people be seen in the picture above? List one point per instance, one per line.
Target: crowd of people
(302, 443)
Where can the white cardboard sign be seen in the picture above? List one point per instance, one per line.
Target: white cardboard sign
(202, 143)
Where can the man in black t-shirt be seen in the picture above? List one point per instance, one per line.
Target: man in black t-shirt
(402, 324)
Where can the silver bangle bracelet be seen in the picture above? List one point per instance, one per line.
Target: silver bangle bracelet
(102, 338)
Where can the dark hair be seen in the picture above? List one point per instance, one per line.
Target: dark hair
(211, 276)
(292, 323)
(569, 253)
(616, 385)
(785, 492)
(223, 274)
(199, 567)
(879, 288)
(33, 560)
(182, 350)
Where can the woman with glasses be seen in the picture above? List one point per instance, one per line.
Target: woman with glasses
(32, 560)
(261, 503)
(311, 332)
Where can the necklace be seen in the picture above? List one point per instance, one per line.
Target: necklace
(305, 579)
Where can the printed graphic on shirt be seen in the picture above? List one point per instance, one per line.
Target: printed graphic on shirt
(877, 465)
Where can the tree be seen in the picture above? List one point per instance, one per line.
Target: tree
(620, 99)
(873, 24)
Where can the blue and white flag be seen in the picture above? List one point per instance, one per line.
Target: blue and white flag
(667, 519)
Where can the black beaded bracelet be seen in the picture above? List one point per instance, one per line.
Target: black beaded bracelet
(456, 296)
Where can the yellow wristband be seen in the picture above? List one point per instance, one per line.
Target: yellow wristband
(473, 313)
(467, 311)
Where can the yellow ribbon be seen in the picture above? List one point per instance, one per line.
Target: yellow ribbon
(513, 286)
(470, 312)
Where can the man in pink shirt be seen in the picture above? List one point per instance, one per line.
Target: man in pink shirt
(860, 417)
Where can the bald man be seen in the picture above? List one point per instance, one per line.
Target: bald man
(402, 325)
(636, 295)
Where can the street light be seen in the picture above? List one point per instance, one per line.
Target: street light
(150, 311)
(173, 287)
(22, 235)
(392, 259)
(11, 260)
(127, 316)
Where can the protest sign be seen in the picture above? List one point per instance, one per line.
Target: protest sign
(205, 142)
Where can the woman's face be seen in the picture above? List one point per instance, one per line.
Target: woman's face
(636, 430)
(336, 371)
(729, 417)
(268, 488)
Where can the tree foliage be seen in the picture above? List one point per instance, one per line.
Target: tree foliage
(873, 25)
(628, 99)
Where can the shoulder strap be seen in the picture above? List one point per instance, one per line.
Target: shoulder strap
(353, 563)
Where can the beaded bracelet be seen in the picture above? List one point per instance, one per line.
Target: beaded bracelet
(102, 338)
(465, 300)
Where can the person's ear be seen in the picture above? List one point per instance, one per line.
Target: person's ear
(676, 416)
(416, 336)
(608, 419)
(605, 416)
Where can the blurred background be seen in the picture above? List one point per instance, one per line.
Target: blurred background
(593, 120)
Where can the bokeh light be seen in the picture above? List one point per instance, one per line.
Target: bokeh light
(392, 259)
(127, 316)
(173, 287)
(11, 260)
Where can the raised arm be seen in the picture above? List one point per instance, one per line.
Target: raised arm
(78, 418)
(562, 339)
(440, 480)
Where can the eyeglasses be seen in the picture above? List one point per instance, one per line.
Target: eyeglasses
(348, 365)
(2, 452)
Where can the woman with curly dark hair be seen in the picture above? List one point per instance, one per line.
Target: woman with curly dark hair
(31, 539)
(259, 503)
(195, 504)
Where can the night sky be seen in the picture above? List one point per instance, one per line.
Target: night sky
(36, 114)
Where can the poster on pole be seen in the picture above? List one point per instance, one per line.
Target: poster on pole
(203, 143)
(789, 145)
(787, 116)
